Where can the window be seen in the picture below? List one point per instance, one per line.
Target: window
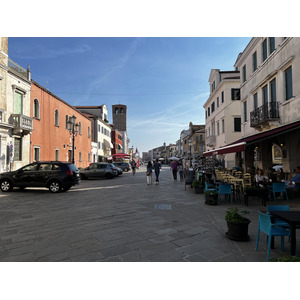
(56, 117)
(273, 90)
(265, 94)
(201, 137)
(89, 131)
(244, 73)
(212, 107)
(235, 94)
(17, 149)
(255, 104)
(206, 114)
(89, 157)
(245, 111)
(254, 61)
(79, 128)
(208, 111)
(223, 126)
(67, 119)
(264, 50)
(116, 111)
(218, 128)
(217, 101)
(18, 103)
(36, 109)
(288, 83)
(271, 44)
(57, 154)
(121, 110)
(222, 96)
(36, 154)
(80, 158)
(237, 124)
(213, 86)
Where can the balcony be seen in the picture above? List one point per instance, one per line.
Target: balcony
(18, 70)
(211, 141)
(21, 123)
(263, 115)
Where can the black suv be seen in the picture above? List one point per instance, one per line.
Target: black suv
(124, 166)
(54, 175)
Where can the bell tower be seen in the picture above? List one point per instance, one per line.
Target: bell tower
(119, 113)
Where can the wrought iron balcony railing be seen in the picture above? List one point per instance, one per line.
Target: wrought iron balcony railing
(18, 70)
(263, 114)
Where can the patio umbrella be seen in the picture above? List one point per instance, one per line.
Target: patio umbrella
(173, 158)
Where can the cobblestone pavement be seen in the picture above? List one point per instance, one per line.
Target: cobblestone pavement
(123, 219)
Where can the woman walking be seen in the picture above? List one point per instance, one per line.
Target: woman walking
(149, 173)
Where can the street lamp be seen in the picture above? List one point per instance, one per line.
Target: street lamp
(73, 129)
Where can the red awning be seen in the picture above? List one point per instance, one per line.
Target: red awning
(121, 155)
(237, 147)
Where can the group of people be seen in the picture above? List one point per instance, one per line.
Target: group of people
(262, 180)
(156, 166)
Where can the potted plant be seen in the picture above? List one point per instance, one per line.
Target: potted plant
(211, 197)
(237, 224)
(197, 185)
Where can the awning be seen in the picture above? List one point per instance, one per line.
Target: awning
(121, 155)
(111, 145)
(237, 147)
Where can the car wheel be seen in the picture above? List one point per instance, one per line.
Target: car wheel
(83, 176)
(6, 185)
(125, 170)
(54, 186)
(109, 176)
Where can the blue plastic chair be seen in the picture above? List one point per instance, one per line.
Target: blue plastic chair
(265, 225)
(278, 187)
(210, 187)
(225, 189)
(277, 221)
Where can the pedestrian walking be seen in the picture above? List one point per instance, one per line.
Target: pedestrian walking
(174, 168)
(149, 173)
(157, 167)
(133, 166)
(181, 170)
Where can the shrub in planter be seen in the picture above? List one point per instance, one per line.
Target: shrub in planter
(286, 259)
(211, 197)
(237, 224)
(197, 185)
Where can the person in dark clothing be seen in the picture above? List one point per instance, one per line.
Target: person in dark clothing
(174, 167)
(149, 173)
(157, 167)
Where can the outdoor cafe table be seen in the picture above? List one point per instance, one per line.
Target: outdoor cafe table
(293, 219)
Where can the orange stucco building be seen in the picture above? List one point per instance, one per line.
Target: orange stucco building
(50, 139)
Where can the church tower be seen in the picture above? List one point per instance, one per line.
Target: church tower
(119, 113)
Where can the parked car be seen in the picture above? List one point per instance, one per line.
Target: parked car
(124, 166)
(54, 175)
(96, 170)
(120, 172)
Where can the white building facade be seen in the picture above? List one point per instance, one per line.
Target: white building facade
(15, 122)
(223, 115)
(270, 102)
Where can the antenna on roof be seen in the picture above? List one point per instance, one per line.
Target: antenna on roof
(47, 85)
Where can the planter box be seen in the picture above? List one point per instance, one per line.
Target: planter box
(211, 199)
(238, 231)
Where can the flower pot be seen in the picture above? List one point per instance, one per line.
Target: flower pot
(211, 199)
(238, 231)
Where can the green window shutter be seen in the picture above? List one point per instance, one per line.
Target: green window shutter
(18, 103)
(265, 94)
(288, 83)
(273, 90)
(255, 104)
(271, 44)
(264, 50)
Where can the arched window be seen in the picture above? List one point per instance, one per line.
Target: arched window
(116, 111)
(36, 109)
(121, 111)
(56, 117)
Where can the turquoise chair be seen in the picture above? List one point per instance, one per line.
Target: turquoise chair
(225, 189)
(210, 187)
(277, 187)
(277, 221)
(265, 225)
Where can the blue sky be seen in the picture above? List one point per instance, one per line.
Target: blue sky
(163, 81)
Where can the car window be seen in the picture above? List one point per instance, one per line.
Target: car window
(45, 167)
(91, 167)
(32, 167)
(56, 167)
(72, 167)
(102, 166)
